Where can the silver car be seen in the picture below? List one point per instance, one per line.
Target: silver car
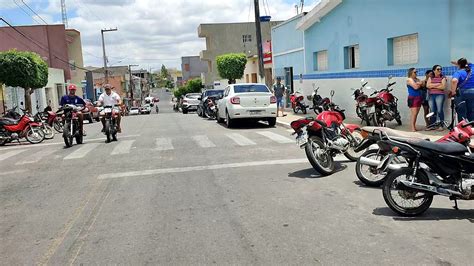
(191, 102)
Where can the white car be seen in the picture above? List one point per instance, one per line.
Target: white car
(134, 111)
(247, 100)
(191, 102)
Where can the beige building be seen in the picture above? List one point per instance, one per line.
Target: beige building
(223, 38)
(76, 61)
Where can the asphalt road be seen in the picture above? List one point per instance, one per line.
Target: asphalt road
(179, 189)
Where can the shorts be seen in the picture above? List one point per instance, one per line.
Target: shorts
(415, 101)
(280, 102)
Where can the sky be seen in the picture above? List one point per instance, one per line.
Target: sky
(150, 32)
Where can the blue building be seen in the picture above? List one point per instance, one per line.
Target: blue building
(340, 42)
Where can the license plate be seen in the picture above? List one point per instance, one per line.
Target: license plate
(213, 108)
(108, 110)
(302, 138)
(255, 112)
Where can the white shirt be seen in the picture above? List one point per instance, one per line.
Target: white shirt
(112, 99)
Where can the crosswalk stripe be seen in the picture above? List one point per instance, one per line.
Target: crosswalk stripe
(10, 154)
(275, 137)
(123, 147)
(240, 140)
(164, 144)
(36, 157)
(203, 141)
(82, 151)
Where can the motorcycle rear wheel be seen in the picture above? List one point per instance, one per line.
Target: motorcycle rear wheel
(58, 126)
(34, 135)
(107, 130)
(391, 189)
(48, 131)
(368, 174)
(319, 158)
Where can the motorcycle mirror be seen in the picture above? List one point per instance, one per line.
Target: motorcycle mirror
(332, 93)
(362, 81)
(430, 115)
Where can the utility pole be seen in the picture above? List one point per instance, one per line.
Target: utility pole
(132, 84)
(259, 39)
(106, 73)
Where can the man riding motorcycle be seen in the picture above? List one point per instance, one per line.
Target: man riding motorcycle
(111, 98)
(72, 98)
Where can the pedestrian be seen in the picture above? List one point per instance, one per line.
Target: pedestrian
(279, 90)
(437, 85)
(415, 98)
(426, 97)
(462, 86)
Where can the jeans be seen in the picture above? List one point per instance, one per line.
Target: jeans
(437, 107)
(465, 110)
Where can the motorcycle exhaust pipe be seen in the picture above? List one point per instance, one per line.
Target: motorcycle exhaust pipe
(432, 189)
(375, 163)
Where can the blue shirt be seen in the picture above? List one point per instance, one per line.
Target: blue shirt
(67, 99)
(461, 76)
(413, 92)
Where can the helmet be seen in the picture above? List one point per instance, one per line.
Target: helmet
(72, 87)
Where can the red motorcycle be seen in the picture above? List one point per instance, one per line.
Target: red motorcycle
(386, 106)
(297, 102)
(25, 127)
(364, 103)
(326, 136)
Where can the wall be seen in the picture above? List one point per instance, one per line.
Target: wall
(73, 38)
(461, 29)
(196, 67)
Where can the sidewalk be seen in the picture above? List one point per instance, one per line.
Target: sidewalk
(290, 116)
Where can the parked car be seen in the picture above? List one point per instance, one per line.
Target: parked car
(214, 94)
(134, 111)
(247, 100)
(93, 113)
(190, 102)
(146, 109)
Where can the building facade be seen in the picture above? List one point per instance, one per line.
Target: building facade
(223, 38)
(192, 67)
(344, 41)
(76, 61)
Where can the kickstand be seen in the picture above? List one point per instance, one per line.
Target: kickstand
(456, 204)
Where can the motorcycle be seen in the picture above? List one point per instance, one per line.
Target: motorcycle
(297, 103)
(320, 104)
(364, 103)
(367, 165)
(15, 129)
(386, 106)
(71, 128)
(433, 168)
(325, 137)
(110, 116)
(44, 120)
(211, 108)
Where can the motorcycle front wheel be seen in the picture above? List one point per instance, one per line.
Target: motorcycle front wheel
(35, 135)
(107, 130)
(403, 200)
(354, 141)
(319, 158)
(67, 135)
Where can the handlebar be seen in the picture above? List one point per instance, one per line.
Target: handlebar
(363, 85)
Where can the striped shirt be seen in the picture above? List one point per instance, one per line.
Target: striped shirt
(436, 81)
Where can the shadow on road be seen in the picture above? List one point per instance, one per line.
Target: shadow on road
(244, 124)
(311, 173)
(362, 185)
(432, 214)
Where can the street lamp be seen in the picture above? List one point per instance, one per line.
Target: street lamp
(103, 49)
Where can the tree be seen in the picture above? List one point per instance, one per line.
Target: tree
(23, 69)
(231, 66)
(194, 86)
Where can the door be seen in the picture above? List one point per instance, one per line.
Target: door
(222, 103)
(288, 83)
(254, 77)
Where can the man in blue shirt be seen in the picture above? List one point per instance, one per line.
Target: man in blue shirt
(72, 98)
(462, 85)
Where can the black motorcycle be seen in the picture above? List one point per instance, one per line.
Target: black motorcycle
(110, 117)
(320, 104)
(71, 127)
(445, 169)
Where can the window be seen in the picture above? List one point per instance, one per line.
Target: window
(321, 60)
(246, 38)
(351, 56)
(250, 88)
(403, 50)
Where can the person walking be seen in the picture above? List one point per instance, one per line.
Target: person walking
(426, 97)
(462, 86)
(415, 98)
(436, 85)
(279, 90)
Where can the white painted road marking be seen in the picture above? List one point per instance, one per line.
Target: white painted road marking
(36, 157)
(240, 140)
(203, 141)
(123, 147)
(82, 151)
(275, 137)
(164, 144)
(200, 168)
(12, 172)
(9, 154)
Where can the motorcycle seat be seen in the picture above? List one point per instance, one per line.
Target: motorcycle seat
(451, 148)
(8, 121)
(394, 133)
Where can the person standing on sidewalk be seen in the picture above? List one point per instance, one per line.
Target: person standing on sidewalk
(462, 85)
(415, 99)
(279, 90)
(437, 84)
(426, 97)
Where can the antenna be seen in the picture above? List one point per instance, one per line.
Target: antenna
(64, 13)
(302, 5)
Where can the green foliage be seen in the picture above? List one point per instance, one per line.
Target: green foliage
(23, 69)
(231, 66)
(192, 86)
(179, 92)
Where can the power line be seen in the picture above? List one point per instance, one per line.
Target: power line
(24, 11)
(34, 12)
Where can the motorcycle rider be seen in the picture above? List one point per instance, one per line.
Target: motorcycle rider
(72, 98)
(111, 98)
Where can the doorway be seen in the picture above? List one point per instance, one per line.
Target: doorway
(289, 83)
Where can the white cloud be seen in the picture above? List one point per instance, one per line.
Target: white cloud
(155, 29)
